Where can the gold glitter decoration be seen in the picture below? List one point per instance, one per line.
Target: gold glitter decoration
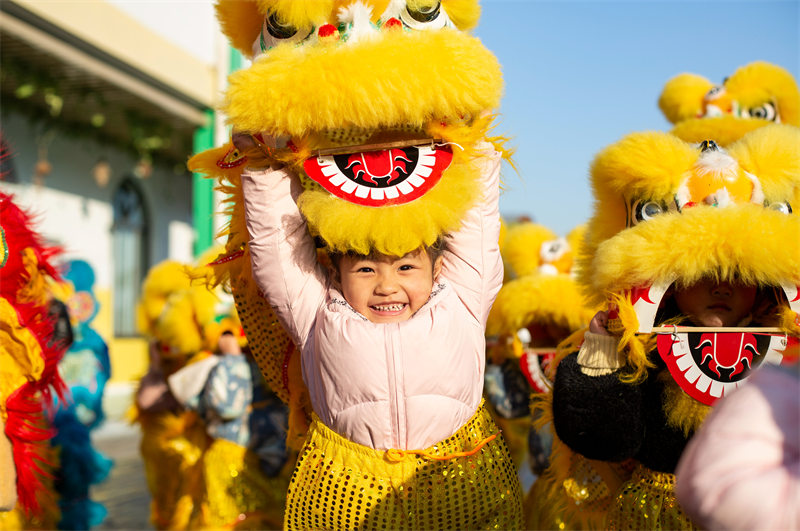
(342, 485)
(172, 446)
(648, 501)
(239, 495)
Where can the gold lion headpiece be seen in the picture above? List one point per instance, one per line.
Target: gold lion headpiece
(541, 305)
(755, 95)
(670, 212)
(377, 106)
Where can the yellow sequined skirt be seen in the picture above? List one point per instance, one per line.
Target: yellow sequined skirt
(648, 501)
(467, 481)
(239, 494)
(172, 447)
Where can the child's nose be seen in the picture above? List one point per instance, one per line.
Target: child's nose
(385, 286)
(723, 289)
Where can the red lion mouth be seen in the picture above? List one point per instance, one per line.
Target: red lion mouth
(380, 178)
(708, 366)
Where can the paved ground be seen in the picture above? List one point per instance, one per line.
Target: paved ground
(124, 493)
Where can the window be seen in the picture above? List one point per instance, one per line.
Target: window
(129, 248)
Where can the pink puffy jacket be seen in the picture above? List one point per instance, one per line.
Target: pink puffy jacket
(404, 385)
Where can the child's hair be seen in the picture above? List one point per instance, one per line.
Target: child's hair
(433, 251)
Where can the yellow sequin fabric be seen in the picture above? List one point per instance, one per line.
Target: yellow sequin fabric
(648, 501)
(172, 449)
(339, 484)
(240, 496)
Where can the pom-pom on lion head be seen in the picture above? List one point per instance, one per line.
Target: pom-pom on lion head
(672, 213)
(372, 104)
(755, 95)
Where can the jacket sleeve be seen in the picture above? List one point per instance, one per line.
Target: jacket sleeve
(599, 417)
(742, 468)
(282, 253)
(472, 259)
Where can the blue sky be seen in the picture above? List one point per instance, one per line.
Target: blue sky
(581, 74)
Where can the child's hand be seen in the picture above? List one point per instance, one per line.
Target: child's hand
(599, 324)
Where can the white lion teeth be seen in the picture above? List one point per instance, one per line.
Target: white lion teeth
(416, 179)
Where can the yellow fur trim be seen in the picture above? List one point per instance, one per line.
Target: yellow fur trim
(750, 86)
(20, 354)
(723, 130)
(723, 243)
(522, 248)
(503, 233)
(299, 14)
(682, 97)
(687, 245)
(35, 290)
(773, 155)
(636, 347)
(463, 13)
(162, 280)
(281, 94)
(759, 82)
(681, 411)
(182, 322)
(538, 298)
(241, 22)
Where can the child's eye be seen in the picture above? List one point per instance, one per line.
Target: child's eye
(364, 269)
(406, 267)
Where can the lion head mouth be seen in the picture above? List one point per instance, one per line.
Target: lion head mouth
(381, 177)
(710, 365)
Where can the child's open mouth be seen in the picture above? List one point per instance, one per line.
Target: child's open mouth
(396, 307)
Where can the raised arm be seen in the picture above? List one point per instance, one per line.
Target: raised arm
(282, 253)
(472, 260)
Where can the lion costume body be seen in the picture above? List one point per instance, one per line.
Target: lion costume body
(672, 213)
(30, 350)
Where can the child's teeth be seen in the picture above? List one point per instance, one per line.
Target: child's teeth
(390, 308)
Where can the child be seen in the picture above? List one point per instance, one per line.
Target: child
(392, 353)
(242, 466)
(657, 441)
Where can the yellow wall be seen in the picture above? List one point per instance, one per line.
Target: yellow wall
(128, 355)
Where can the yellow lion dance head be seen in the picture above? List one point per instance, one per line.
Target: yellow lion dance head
(755, 95)
(372, 104)
(673, 213)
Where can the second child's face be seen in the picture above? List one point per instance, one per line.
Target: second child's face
(709, 303)
(388, 289)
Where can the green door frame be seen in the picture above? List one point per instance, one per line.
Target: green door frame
(202, 187)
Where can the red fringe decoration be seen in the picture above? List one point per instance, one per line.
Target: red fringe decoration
(28, 427)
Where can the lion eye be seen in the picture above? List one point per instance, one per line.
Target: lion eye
(425, 13)
(428, 16)
(648, 210)
(781, 206)
(642, 211)
(713, 93)
(763, 112)
(278, 29)
(275, 32)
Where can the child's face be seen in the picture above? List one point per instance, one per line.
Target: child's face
(388, 289)
(709, 303)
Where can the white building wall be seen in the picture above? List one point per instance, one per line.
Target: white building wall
(76, 213)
